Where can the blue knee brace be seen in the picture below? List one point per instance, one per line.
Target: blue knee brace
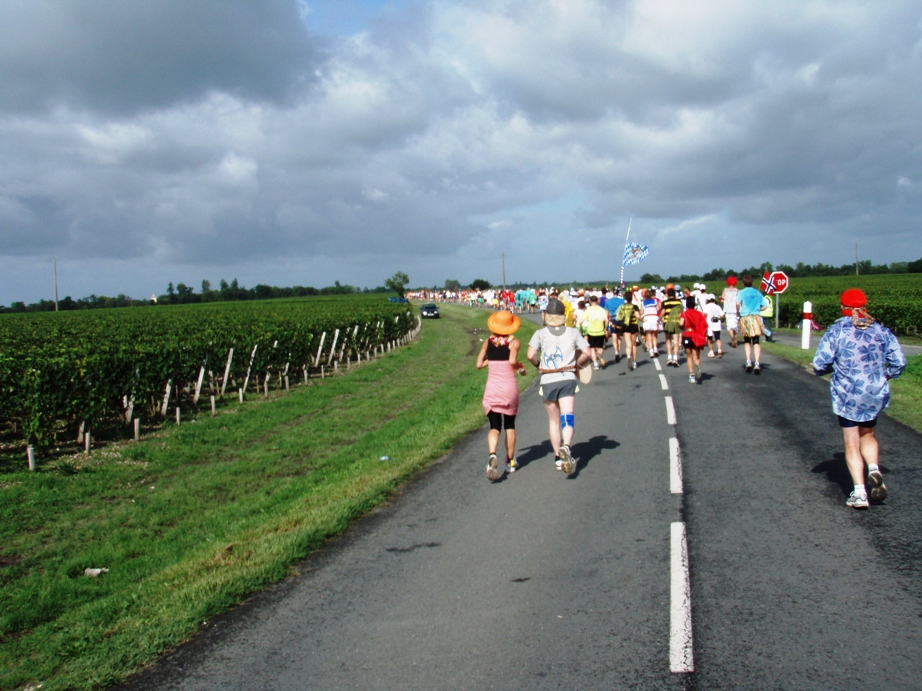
(567, 421)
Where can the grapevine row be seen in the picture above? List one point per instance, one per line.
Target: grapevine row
(84, 368)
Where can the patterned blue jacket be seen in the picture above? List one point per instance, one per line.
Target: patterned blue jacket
(862, 362)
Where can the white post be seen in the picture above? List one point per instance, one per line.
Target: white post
(246, 382)
(30, 452)
(166, 397)
(212, 407)
(240, 394)
(86, 439)
(198, 384)
(333, 347)
(137, 429)
(808, 324)
(230, 356)
(177, 415)
(320, 348)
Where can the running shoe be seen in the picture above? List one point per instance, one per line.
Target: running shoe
(748, 366)
(493, 470)
(595, 366)
(691, 379)
(617, 358)
(878, 488)
(733, 341)
(720, 354)
(697, 374)
(601, 361)
(857, 501)
(513, 465)
(710, 353)
(756, 369)
(567, 464)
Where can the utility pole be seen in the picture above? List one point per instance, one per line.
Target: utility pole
(55, 284)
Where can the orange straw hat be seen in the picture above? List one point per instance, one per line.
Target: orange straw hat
(503, 323)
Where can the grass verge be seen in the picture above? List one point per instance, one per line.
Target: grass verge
(905, 391)
(192, 519)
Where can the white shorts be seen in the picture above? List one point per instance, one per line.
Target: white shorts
(651, 324)
(733, 322)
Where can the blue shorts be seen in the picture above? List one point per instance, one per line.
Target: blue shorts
(845, 422)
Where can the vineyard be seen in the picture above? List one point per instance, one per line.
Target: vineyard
(65, 373)
(895, 300)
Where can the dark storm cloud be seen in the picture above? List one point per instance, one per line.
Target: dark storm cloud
(124, 56)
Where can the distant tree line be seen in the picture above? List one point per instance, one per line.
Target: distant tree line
(181, 294)
(801, 270)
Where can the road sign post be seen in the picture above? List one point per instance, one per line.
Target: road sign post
(775, 283)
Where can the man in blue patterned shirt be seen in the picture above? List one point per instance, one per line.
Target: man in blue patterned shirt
(863, 357)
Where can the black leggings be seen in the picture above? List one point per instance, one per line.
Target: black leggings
(497, 420)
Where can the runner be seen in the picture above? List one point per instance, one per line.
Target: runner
(750, 302)
(714, 314)
(562, 350)
(862, 357)
(694, 336)
(627, 319)
(596, 321)
(612, 304)
(731, 307)
(650, 309)
(500, 353)
(671, 311)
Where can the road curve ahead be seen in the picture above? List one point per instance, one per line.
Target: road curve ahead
(703, 543)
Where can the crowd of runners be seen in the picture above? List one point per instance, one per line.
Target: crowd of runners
(579, 324)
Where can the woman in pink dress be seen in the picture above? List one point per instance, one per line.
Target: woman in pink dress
(500, 353)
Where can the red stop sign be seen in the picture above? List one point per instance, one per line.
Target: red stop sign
(774, 282)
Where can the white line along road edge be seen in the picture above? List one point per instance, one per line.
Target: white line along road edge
(681, 658)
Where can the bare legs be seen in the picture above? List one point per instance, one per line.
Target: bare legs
(562, 406)
(860, 448)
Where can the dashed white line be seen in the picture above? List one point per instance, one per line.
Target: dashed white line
(663, 382)
(681, 658)
(659, 367)
(670, 411)
(675, 467)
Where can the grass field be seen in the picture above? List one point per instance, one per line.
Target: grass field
(193, 518)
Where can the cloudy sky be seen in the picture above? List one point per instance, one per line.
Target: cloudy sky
(301, 142)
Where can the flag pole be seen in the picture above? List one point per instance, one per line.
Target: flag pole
(626, 237)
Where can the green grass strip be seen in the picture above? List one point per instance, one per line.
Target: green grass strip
(905, 391)
(191, 520)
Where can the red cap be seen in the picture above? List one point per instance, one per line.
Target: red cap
(853, 297)
(731, 280)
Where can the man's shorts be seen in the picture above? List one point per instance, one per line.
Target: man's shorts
(630, 329)
(751, 326)
(714, 335)
(651, 324)
(558, 389)
(733, 322)
(596, 341)
(672, 329)
(845, 423)
(689, 344)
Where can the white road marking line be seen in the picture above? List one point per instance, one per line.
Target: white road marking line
(675, 467)
(681, 657)
(659, 367)
(670, 411)
(663, 382)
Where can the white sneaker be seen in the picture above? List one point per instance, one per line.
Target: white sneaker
(857, 501)
(710, 353)
(567, 464)
(878, 488)
(493, 470)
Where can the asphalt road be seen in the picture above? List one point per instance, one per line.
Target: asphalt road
(546, 582)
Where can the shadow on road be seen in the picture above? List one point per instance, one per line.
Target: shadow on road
(583, 451)
(837, 472)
